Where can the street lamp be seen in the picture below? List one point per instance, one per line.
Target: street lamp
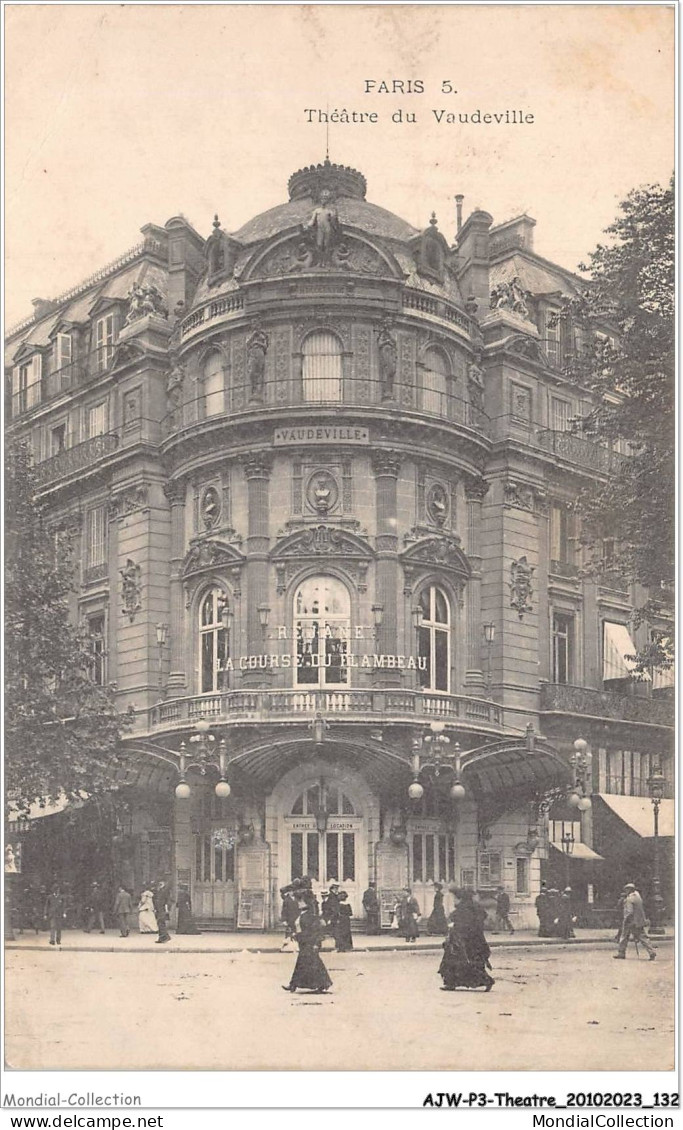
(377, 617)
(263, 617)
(443, 764)
(489, 637)
(567, 840)
(656, 784)
(226, 624)
(202, 758)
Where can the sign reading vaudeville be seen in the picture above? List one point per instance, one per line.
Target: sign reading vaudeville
(320, 433)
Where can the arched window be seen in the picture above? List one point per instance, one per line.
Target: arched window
(214, 641)
(322, 612)
(336, 802)
(322, 368)
(436, 380)
(435, 640)
(212, 382)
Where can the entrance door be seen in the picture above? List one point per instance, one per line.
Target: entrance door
(433, 858)
(324, 836)
(213, 887)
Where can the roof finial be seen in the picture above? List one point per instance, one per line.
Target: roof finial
(216, 222)
(327, 133)
(433, 221)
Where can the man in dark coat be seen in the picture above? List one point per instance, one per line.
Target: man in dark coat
(123, 907)
(162, 910)
(565, 915)
(543, 912)
(95, 907)
(634, 924)
(503, 911)
(290, 909)
(372, 910)
(330, 910)
(54, 912)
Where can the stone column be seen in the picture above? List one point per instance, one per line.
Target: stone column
(257, 471)
(177, 678)
(386, 466)
(475, 490)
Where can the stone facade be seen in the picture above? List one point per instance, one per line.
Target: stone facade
(332, 449)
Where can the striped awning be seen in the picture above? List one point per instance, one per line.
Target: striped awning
(618, 650)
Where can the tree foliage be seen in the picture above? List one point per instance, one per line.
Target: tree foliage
(61, 730)
(630, 370)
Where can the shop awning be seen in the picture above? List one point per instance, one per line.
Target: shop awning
(513, 766)
(582, 852)
(37, 810)
(637, 813)
(618, 647)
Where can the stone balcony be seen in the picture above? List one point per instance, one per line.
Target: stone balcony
(288, 706)
(560, 698)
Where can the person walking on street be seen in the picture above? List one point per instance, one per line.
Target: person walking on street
(408, 915)
(619, 915)
(147, 922)
(466, 952)
(543, 912)
(54, 912)
(123, 907)
(162, 911)
(565, 915)
(309, 971)
(436, 923)
(95, 908)
(634, 924)
(372, 910)
(330, 908)
(343, 936)
(186, 923)
(503, 911)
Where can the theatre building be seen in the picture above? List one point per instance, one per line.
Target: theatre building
(322, 472)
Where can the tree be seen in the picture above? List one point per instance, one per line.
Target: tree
(61, 729)
(628, 362)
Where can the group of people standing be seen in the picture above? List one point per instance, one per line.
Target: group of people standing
(153, 911)
(556, 918)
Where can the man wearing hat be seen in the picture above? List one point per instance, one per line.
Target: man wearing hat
(330, 909)
(565, 916)
(371, 907)
(634, 924)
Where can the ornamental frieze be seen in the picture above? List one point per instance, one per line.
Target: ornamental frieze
(520, 495)
(341, 253)
(322, 541)
(440, 550)
(210, 554)
(127, 501)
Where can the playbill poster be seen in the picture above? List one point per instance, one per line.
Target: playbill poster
(339, 558)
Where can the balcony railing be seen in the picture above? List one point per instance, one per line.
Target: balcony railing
(353, 705)
(239, 400)
(561, 698)
(583, 452)
(633, 786)
(74, 459)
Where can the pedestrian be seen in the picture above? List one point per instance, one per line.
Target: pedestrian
(634, 924)
(147, 922)
(161, 899)
(95, 908)
(309, 971)
(330, 908)
(436, 923)
(54, 912)
(619, 915)
(553, 913)
(307, 885)
(543, 912)
(408, 915)
(343, 936)
(186, 923)
(466, 952)
(565, 915)
(290, 910)
(372, 910)
(503, 911)
(123, 907)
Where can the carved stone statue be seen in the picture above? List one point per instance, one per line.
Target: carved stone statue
(144, 299)
(475, 381)
(521, 573)
(388, 360)
(511, 296)
(257, 347)
(130, 589)
(322, 233)
(174, 394)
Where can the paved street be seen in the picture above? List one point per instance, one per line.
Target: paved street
(551, 1008)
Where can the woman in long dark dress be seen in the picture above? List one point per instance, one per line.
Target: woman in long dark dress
(436, 923)
(309, 971)
(466, 951)
(343, 936)
(408, 911)
(186, 923)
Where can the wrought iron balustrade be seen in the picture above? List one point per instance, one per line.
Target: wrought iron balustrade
(564, 698)
(77, 458)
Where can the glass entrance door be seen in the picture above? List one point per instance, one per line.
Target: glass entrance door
(324, 837)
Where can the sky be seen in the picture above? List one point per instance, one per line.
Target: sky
(122, 115)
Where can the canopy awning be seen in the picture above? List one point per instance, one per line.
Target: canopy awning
(582, 852)
(513, 766)
(617, 652)
(636, 812)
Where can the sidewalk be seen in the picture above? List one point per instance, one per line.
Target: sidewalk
(249, 941)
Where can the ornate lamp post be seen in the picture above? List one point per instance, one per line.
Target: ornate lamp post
(656, 784)
(567, 841)
(442, 763)
(489, 637)
(578, 793)
(202, 757)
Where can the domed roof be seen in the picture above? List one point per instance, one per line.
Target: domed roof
(347, 187)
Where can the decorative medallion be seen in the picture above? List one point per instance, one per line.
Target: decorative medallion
(322, 492)
(437, 504)
(210, 507)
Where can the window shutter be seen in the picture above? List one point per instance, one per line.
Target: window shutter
(34, 382)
